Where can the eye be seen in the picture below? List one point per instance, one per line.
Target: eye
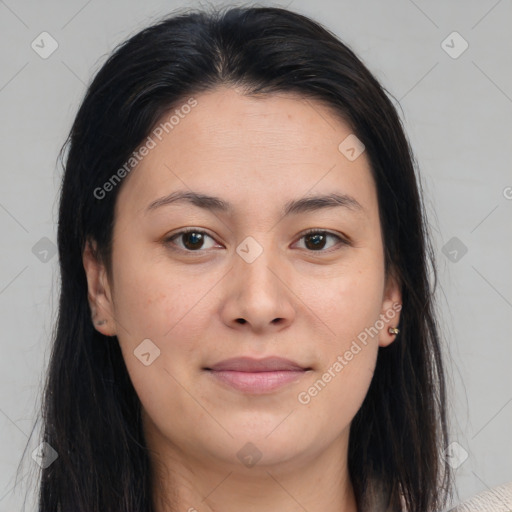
(315, 240)
(192, 240)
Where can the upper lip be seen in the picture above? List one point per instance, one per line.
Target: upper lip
(248, 364)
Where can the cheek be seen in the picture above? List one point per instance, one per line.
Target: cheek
(360, 302)
(155, 300)
(349, 307)
(346, 304)
(334, 398)
(347, 348)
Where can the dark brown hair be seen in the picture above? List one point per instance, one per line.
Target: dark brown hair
(91, 411)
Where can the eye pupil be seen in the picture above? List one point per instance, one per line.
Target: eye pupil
(195, 239)
(319, 240)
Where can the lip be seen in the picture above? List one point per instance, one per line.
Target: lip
(257, 376)
(249, 364)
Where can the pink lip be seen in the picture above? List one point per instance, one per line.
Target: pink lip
(257, 375)
(248, 364)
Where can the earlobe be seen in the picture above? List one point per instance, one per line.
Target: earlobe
(99, 296)
(390, 313)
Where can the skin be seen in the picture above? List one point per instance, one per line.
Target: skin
(298, 302)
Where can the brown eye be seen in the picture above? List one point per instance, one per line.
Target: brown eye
(192, 240)
(317, 240)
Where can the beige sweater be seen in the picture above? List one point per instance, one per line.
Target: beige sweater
(497, 499)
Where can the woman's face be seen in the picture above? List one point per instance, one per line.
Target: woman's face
(248, 282)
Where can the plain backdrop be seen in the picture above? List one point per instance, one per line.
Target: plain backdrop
(448, 64)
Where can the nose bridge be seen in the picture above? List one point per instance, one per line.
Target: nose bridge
(258, 261)
(259, 277)
(258, 298)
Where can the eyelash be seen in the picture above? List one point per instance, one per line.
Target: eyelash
(341, 241)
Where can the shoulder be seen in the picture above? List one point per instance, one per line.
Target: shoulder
(497, 499)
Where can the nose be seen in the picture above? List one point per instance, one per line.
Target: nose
(259, 298)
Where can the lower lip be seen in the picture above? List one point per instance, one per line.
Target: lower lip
(257, 382)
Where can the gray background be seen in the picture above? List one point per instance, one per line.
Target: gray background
(457, 113)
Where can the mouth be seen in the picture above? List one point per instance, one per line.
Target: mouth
(257, 376)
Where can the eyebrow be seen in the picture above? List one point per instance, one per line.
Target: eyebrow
(295, 207)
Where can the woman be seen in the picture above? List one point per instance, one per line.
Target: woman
(246, 320)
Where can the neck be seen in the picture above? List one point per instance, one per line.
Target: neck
(183, 482)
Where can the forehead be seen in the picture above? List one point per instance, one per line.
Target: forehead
(250, 150)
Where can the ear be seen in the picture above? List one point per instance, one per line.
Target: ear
(99, 292)
(390, 313)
